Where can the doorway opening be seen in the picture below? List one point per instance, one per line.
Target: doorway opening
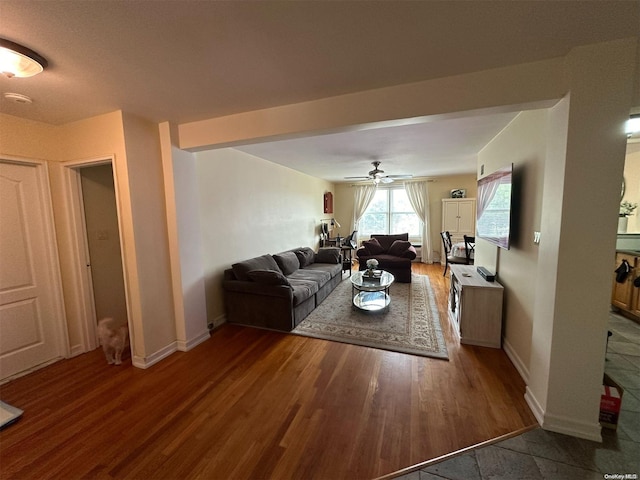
(98, 247)
(103, 242)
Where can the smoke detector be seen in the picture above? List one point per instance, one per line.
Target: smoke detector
(18, 98)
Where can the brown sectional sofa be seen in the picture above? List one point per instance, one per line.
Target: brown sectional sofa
(278, 291)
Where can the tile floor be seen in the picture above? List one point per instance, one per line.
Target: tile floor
(539, 454)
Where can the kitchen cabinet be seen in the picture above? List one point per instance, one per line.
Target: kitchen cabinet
(625, 296)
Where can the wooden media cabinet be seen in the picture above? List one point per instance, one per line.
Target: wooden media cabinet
(475, 307)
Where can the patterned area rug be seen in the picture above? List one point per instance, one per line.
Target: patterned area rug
(410, 324)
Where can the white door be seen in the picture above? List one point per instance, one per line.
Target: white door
(450, 217)
(467, 217)
(30, 308)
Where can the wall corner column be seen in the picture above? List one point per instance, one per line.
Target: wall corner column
(185, 240)
(583, 171)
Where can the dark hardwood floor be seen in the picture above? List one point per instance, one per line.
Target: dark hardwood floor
(255, 404)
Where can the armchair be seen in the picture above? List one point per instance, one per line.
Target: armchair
(393, 252)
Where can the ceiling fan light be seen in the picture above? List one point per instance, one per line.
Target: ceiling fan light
(19, 61)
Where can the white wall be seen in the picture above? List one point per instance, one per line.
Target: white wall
(578, 224)
(524, 144)
(103, 238)
(185, 241)
(251, 207)
(497, 90)
(20, 137)
(97, 137)
(138, 170)
(144, 166)
(557, 293)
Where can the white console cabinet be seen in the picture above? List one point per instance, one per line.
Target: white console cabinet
(475, 307)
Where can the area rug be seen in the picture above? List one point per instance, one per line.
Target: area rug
(410, 324)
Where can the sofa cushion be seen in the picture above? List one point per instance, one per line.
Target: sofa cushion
(287, 261)
(333, 268)
(373, 247)
(263, 262)
(305, 256)
(399, 247)
(328, 255)
(312, 275)
(302, 289)
(268, 277)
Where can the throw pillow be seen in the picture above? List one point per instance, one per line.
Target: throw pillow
(268, 277)
(328, 255)
(287, 261)
(398, 248)
(305, 256)
(264, 262)
(386, 241)
(373, 247)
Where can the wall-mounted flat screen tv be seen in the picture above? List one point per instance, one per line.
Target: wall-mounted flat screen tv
(494, 205)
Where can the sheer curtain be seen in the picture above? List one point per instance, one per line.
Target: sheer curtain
(418, 193)
(485, 195)
(363, 194)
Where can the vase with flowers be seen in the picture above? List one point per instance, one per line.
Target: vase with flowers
(372, 264)
(626, 209)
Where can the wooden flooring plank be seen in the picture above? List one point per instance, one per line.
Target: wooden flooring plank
(250, 403)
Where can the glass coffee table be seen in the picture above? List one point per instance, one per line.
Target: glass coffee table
(371, 295)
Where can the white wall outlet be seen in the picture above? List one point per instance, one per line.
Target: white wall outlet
(536, 237)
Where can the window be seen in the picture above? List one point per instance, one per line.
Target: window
(494, 221)
(390, 212)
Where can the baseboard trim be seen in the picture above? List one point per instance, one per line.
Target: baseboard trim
(516, 360)
(178, 345)
(562, 424)
(146, 362)
(219, 320)
(30, 370)
(76, 350)
(534, 405)
(189, 344)
(568, 426)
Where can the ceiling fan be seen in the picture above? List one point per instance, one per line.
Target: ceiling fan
(378, 175)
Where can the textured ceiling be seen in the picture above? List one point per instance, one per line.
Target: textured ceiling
(181, 61)
(445, 147)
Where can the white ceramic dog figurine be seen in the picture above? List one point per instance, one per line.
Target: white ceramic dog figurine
(113, 338)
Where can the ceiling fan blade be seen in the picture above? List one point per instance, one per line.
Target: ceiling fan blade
(399, 176)
(356, 178)
(386, 180)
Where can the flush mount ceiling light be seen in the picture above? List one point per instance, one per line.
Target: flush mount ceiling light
(19, 61)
